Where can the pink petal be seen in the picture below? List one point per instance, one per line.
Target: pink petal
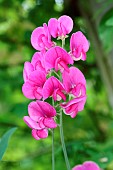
(34, 134)
(35, 112)
(74, 106)
(72, 78)
(31, 123)
(42, 133)
(53, 27)
(55, 56)
(38, 61)
(28, 68)
(38, 78)
(35, 38)
(40, 109)
(78, 167)
(79, 45)
(89, 165)
(67, 23)
(47, 109)
(50, 86)
(50, 123)
(31, 91)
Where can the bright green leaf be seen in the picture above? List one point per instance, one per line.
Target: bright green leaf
(4, 141)
(109, 22)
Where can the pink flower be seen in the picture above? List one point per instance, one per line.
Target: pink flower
(38, 61)
(53, 87)
(79, 46)
(28, 68)
(58, 59)
(41, 38)
(74, 106)
(32, 88)
(88, 165)
(74, 82)
(60, 27)
(41, 117)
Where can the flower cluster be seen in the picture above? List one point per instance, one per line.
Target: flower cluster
(51, 74)
(88, 165)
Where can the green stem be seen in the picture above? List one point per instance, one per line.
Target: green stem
(63, 143)
(53, 156)
(63, 42)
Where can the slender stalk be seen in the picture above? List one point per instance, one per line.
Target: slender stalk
(63, 42)
(53, 155)
(63, 143)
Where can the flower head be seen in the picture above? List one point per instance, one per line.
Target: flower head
(41, 38)
(32, 88)
(58, 59)
(53, 87)
(41, 117)
(61, 27)
(79, 46)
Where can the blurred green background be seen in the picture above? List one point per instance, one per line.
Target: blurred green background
(89, 136)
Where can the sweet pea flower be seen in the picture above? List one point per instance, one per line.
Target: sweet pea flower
(74, 106)
(41, 117)
(88, 165)
(41, 38)
(58, 59)
(28, 68)
(74, 82)
(53, 87)
(38, 61)
(79, 45)
(32, 88)
(61, 27)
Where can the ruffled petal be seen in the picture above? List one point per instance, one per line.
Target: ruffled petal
(47, 109)
(34, 134)
(67, 23)
(50, 86)
(28, 68)
(42, 133)
(53, 27)
(36, 39)
(38, 78)
(72, 78)
(31, 123)
(35, 112)
(49, 123)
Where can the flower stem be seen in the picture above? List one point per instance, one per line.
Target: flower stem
(63, 143)
(53, 156)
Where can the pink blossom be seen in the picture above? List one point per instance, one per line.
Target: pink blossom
(38, 61)
(74, 106)
(32, 88)
(74, 82)
(88, 165)
(58, 59)
(60, 27)
(41, 38)
(41, 117)
(53, 87)
(28, 68)
(79, 46)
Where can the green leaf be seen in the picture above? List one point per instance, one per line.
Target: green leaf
(109, 22)
(4, 141)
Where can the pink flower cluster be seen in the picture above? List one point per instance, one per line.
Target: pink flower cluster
(88, 165)
(51, 74)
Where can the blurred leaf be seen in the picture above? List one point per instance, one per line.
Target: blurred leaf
(109, 22)
(4, 141)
